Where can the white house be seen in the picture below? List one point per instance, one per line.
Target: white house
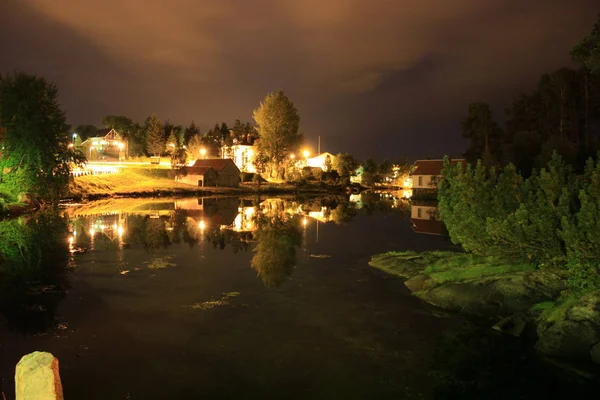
(426, 173)
(321, 161)
(242, 155)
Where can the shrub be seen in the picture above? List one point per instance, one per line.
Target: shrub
(551, 219)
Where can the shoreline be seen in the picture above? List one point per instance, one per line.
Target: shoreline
(517, 300)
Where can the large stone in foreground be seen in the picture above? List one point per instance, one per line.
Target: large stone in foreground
(495, 296)
(37, 377)
(575, 334)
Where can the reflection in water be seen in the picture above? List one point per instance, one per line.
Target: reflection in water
(223, 223)
(34, 255)
(480, 363)
(425, 218)
(275, 253)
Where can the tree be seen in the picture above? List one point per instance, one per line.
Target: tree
(36, 157)
(277, 123)
(172, 142)
(275, 252)
(587, 50)
(193, 147)
(119, 123)
(191, 131)
(155, 141)
(345, 165)
(84, 132)
(484, 133)
(385, 170)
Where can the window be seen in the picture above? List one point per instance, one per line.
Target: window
(420, 181)
(419, 210)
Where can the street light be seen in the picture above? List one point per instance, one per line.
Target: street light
(202, 152)
(306, 153)
(292, 156)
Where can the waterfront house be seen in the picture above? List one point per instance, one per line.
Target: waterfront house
(211, 172)
(323, 161)
(242, 156)
(108, 144)
(426, 219)
(426, 173)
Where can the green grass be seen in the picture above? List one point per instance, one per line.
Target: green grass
(445, 266)
(459, 267)
(553, 311)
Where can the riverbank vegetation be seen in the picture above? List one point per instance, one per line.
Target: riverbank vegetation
(562, 114)
(35, 157)
(525, 212)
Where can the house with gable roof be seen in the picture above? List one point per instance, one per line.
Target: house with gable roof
(427, 173)
(211, 172)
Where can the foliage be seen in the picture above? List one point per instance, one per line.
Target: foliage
(551, 219)
(345, 164)
(193, 147)
(581, 231)
(155, 141)
(84, 132)
(33, 261)
(587, 50)
(483, 133)
(36, 157)
(277, 123)
(275, 253)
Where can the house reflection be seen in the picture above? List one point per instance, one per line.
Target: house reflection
(425, 218)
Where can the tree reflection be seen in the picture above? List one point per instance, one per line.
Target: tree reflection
(34, 255)
(275, 253)
(479, 363)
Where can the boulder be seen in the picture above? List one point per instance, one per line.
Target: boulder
(495, 296)
(417, 283)
(30, 200)
(514, 325)
(406, 264)
(575, 333)
(37, 378)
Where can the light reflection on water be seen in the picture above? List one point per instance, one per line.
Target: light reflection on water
(218, 298)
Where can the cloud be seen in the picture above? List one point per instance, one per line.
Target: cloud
(349, 65)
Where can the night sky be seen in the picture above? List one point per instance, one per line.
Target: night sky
(376, 78)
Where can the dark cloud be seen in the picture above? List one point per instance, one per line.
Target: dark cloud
(373, 77)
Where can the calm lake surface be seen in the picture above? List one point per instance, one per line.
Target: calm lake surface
(237, 297)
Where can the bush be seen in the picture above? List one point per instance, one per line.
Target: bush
(551, 219)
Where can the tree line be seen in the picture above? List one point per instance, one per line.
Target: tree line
(562, 114)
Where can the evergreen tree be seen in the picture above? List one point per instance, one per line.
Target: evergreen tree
(155, 140)
(484, 134)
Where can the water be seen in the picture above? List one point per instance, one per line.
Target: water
(225, 298)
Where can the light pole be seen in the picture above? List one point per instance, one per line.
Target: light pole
(91, 148)
(202, 153)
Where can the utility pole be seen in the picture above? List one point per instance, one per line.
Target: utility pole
(319, 146)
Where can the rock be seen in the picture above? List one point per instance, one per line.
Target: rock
(574, 334)
(30, 200)
(595, 353)
(513, 325)
(37, 378)
(495, 296)
(417, 283)
(406, 264)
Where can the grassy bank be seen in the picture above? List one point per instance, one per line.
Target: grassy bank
(140, 182)
(444, 266)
